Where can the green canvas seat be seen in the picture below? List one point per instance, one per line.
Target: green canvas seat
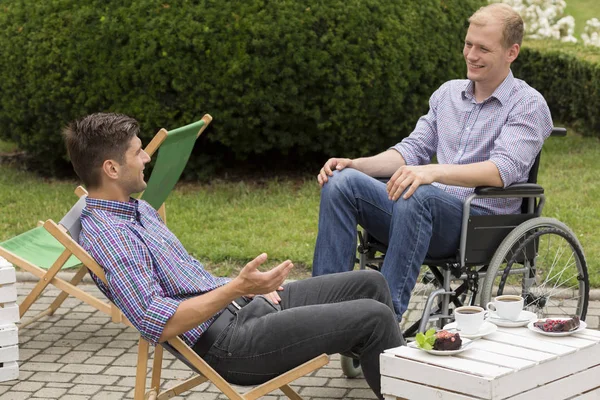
(38, 252)
(38, 247)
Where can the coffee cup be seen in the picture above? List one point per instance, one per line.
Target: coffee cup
(507, 306)
(469, 319)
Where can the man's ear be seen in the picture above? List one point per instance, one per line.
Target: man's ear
(513, 53)
(111, 169)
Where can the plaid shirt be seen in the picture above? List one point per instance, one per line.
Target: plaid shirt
(149, 273)
(508, 129)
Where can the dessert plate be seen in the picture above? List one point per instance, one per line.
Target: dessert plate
(485, 330)
(524, 318)
(463, 347)
(582, 326)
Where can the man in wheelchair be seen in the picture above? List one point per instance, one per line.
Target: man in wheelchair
(485, 131)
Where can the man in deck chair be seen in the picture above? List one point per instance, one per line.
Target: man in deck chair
(249, 329)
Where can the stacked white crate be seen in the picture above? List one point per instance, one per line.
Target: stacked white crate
(9, 314)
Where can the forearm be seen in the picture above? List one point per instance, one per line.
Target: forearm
(381, 165)
(194, 311)
(468, 175)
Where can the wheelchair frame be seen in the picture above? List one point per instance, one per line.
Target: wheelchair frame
(481, 237)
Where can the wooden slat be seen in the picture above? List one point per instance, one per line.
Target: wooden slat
(288, 377)
(182, 387)
(528, 343)
(411, 390)
(571, 341)
(564, 388)
(156, 142)
(512, 351)
(497, 359)
(157, 367)
(436, 376)
(140, 371)
(205, 369)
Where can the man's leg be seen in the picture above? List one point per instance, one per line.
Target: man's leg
(350, 198)
(426, 224)
(339, 313)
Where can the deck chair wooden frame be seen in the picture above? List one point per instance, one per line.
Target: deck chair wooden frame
(49, 276)
(182, 351)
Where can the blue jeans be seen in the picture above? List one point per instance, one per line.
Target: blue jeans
(347, 313)
(426, 224)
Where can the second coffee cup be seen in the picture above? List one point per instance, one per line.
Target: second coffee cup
(507, 306)
(469, 319)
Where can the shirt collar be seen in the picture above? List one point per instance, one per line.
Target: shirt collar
(120, 209)
(502, 92)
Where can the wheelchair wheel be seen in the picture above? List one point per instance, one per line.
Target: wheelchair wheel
(543, 261)
(350, 366)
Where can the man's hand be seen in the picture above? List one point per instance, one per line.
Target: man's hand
(332, 164)
(251, 281)
(411, 177)
(273, 297)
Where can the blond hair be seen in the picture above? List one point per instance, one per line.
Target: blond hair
(512, 23)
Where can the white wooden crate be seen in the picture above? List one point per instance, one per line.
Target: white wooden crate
(9, 311)
(509, 364)
(9, 352)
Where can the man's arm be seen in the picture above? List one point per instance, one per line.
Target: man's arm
(194, 311)
(381, 165)
(467, 175)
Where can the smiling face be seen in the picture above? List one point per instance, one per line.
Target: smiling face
(488, 60)
(131, 174)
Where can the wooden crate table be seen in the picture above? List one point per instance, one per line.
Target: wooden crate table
(512, 363)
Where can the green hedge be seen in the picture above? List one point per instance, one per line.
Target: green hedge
(568, 76)
(344, 77)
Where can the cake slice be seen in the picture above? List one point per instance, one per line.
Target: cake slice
(558, 325)
(445, 341)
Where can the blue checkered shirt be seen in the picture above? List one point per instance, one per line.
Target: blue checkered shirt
(508, 129)
(149, 273)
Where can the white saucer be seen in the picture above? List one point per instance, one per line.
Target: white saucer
(582, 326)
(486, 329)
(463, 347)
(524, 318)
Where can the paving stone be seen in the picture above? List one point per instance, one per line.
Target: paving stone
(348, 383)
(58, 350)
(85, 389)
(120, 371)
(36, 344)
(89, 347)
(361, 394)
(105, 395)
(110, 352)
(27, 386)
(46, 358)
(100, 360)
(95, 379)
(26, 354)
(332, 393)
(59, 385)
(127, 359)
(83, 368)
(99, 339)
(36, 366)
(76, 357)
(51, 393)
(77, 335)
(15, 396)
(52, 377)
(74, 397)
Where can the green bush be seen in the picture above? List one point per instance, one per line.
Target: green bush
(568, 76)
(344, 77)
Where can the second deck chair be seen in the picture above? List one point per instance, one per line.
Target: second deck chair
(181, 350)
(39, 253)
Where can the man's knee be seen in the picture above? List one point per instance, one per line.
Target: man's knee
(371, 277)
(341, 182)
(422, 196)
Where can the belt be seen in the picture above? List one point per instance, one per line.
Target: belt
(209, 336)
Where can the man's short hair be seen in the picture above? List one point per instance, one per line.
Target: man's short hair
(512, 22)
(96, 138)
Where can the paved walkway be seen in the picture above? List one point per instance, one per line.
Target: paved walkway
(79, 354)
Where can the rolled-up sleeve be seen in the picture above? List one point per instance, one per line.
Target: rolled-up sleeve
(420, 146)
(521, 139)
(129, 273)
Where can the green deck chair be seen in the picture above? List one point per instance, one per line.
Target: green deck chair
(39, 253)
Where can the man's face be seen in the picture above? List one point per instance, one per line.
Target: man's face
(487, 60)
(132, 171)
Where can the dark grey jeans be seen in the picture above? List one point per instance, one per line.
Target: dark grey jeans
(344, 313)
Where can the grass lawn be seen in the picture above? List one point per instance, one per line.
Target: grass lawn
(582, 10)
(225, 224)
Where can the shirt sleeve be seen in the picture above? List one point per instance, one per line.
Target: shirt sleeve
(128, 268)
(420, 146)
(521, 139)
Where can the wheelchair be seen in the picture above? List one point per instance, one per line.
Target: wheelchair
(526, 254)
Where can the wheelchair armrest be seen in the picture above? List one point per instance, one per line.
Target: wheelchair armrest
(516, 190)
